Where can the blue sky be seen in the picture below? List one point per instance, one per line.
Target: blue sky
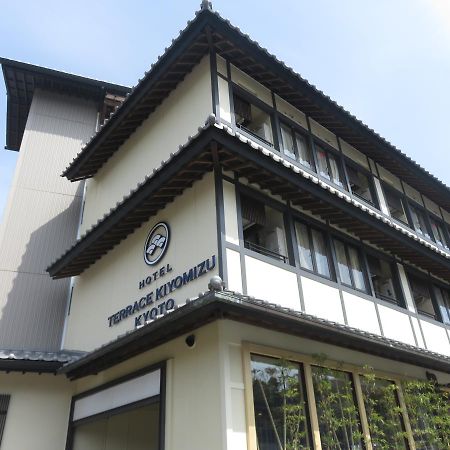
(387, 62)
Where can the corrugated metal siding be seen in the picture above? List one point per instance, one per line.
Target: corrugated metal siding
(40, 222)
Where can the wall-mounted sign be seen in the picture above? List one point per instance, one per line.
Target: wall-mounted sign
(158, 302)
(156, 243)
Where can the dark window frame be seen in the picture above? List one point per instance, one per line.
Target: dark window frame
(367, 173)
(296, 129)
(360, 253)
(403, 199)
(325, 235)
(428, 281)
(328, 149)
(400, 300)
(237, 90)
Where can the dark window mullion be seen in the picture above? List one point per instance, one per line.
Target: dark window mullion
(347, 255)
(313, 250)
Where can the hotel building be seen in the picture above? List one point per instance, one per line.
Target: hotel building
(230, 260)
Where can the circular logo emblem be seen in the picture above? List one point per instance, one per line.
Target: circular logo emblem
(156, 243)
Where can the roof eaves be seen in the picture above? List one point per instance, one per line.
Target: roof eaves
(213, 305)
(180, 43)
(102, 226)
(360, 124)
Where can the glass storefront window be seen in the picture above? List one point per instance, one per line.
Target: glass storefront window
(384, 414)
(337, 410)
(136, 429)
(281, 412)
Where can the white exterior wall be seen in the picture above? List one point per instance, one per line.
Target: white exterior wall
(38, 411)
(194, 389)
(112, 283)
(234, 335)
(277, 283)
(170, 125)
(40, 221)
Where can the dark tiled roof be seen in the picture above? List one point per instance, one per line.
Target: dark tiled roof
(36, 361)
(209, 28)
(213, 305)
(194, 158)
(21, 79)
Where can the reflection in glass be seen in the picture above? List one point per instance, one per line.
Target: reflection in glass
(280, 405)
(384, 414)
(356, 268)
(337, 411)
(344, 272)
(304, 247)
(382, 278)
(321, 253)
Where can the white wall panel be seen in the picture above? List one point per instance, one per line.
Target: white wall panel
(361, 313)
(38, 411)
(234, 271)
(224, 100)
(272, 283)
(231, 223)
(122, 394)
(435, 338)
(396, 325)
(322, 300)
(180, 114)
(417, 332)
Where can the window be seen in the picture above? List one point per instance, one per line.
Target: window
(263, 229)
(360, 184)
(382, 276)
(438, 231)
(337, 411)
(383, 413)
(252, 119)
(295, 145)
(420, 290)
(328, 166)
(419, 221)
(312, 249)
(443, 300)
(4, 404)
(281, 412)
(349, 266)
(396, 205)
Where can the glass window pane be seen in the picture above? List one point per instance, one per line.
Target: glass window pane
(356, 268)
(252, 119)
(438, 233)
(322, 163)
(337, 411)
(304, 152)
(304, 248)
(422, 296)
(321, 253)
(136, 429)
(280, 406)
(383, 413)
(360, 184)
(419, 222)
(263, 229)
(287, 141)
(443, 300)
(395, 204)
(343, 266)
(382, 278)
(336, 176)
